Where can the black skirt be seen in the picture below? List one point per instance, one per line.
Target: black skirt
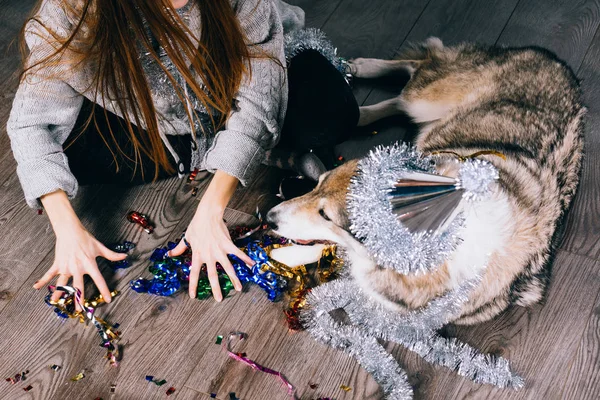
(321, 113)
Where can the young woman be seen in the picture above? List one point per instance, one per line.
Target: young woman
(131, 91)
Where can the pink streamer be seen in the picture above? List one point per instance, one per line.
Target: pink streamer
(228, 344)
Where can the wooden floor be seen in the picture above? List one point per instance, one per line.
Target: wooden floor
(555, 346)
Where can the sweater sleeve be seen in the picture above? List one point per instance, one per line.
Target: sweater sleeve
(44, 111)
(255, 123)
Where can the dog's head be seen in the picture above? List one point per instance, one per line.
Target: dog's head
(318, 216)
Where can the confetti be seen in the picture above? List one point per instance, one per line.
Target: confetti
(65, 308)
(193, 175)
(213, 395)
(28, 388)
(170, 391)
(219, 339)
(78, 377)
(18, 377)
(55, 367)
(313, 385)
(150, 378)
(232, 396)
(345, 388)
(239, 336)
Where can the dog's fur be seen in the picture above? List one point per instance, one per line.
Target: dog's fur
(522, 102)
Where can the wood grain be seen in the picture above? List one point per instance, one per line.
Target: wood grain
(554, 346)
(583, 231)
(317, 12)
(373, 29)
(540, 342)
(565, 27)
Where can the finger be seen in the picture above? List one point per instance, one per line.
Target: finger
(98, 279)
(111, 255)
(194, 274)
(213, 278)
(51, 273)
(242, 256)
(62, 280)
(78, 284)
(179, 249)
(226, 264)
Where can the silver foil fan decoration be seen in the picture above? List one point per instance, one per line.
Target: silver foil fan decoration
(407, 215)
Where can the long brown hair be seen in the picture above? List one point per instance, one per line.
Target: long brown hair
(107, 34)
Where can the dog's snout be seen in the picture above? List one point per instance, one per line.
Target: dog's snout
(271, 219)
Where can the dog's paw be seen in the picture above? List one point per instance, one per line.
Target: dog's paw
(366, 67)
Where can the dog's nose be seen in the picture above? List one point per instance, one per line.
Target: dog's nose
(271, 219)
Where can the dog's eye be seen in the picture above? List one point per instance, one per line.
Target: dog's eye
(322, 214)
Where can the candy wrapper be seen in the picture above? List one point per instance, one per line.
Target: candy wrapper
(65, 308)
(171, 274)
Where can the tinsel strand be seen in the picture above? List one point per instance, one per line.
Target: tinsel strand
(372, 220)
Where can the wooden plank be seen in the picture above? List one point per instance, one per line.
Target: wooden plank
(371, 29)
(565, 27)
(540, 342)
(582, 231)
(104, 218)
(316, 12)
(583, 377)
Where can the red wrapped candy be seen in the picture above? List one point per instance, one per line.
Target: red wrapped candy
(140, 219)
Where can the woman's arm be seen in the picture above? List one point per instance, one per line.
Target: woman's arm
(44, 111)
(209, 237)
(255, 123)
(43, 114)
(252, 128)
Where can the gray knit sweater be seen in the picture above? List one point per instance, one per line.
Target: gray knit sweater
(48, 102)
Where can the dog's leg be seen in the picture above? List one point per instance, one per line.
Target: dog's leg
(374, 68)
(375, 112)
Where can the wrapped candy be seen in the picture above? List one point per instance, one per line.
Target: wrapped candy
(140, 219)
(124, 247)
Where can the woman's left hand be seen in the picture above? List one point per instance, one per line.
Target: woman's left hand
(209, 239)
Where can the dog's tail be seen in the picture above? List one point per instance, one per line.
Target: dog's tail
(422, 51)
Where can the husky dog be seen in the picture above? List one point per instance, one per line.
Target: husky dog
(521, 102)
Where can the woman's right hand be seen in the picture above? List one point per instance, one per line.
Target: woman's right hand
(75, 251)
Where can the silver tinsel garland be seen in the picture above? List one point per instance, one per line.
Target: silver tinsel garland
(415, 330)
(301, 40)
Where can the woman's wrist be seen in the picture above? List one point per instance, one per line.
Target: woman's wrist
(60, 212)
(218, 194)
